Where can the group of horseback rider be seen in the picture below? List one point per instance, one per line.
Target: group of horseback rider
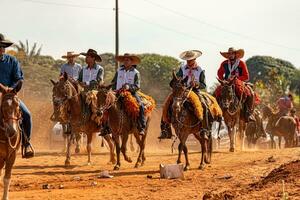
(127, 78)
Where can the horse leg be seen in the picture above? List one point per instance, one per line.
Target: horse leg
(180, 148)
(187, 163)
(65, 143)
(89, 147)
(139, 140)
(111, 149)
(124, 148)
(279, 142)
(242, 128)
(78, 142)
(7, 176)
(231, 135)
(118, 150)
(68, 153)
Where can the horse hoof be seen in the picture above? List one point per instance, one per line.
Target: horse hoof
(201, 167)
(231, 150)
(137, 165)
(117, 167)
(89, 164)
(67, 163)
(128, 160)
(186, 168)
(77, 150)
(178, 162)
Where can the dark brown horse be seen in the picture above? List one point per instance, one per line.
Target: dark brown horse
(255, 129)
(232, 106)
(121, 125)
(185, 123)
(10, 133)
(280, 126)
(67, 103)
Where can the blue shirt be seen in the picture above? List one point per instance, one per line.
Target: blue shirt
(71, 70)
(10, 71)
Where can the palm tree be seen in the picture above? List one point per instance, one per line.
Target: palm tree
(27, 53)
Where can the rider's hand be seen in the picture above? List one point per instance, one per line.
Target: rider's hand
(126, 87)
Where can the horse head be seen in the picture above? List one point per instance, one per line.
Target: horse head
(227, 96)
(106, 98)
(10, 109)
(63, 91)
(179, 92)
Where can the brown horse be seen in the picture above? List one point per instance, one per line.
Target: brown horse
(185, 123)
(121, 125)
(255, 129)
(67, 104)
(280, 126)
(10, 133)
(232, 106)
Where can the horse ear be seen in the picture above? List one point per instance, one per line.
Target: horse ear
(3, 89)
(174, 75)
(185, 80)
(53, 82)
(65, 76)
(18, 86)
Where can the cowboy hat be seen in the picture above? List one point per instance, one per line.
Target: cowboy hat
(135, 59)
(4, 42)
(190, 55)
(93, 53)
(238, 52)
(70, 54)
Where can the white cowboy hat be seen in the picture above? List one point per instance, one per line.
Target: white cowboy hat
(238, 52)
(70, 54)
(190, 55)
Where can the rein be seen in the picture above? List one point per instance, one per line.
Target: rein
(238, 105)
(183, 113)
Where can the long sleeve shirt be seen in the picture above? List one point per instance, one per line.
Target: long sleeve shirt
(238, 69)
(10, 71)
(130, 77)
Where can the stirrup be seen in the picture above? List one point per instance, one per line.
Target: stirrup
(27, 154)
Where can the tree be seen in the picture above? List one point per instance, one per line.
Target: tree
(25, 54)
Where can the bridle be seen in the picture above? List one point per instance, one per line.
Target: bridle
(232, 102)
(182, 99)
(63, 103)
(5, 119)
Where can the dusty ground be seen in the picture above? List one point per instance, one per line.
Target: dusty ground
(240, 175)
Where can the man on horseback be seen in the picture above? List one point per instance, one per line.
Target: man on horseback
(71, 68)
(128, 78)
(10, 74)
(285, 104)
(233, 67)
(196, 81)
(90, 76)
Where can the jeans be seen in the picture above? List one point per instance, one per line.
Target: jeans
(141, 119)
(26, 123)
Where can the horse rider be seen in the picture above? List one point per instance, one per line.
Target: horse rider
(128, 78)
(196, 81)
(10, 74)
(233, 66)
(90, 76)
(297, 120)
(72, 69)
(285, 104)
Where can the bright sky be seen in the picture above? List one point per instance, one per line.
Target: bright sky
(168, 27)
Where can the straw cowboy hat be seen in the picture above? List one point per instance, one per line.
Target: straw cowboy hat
(4, 42)
(134, 58)
(238, 52)
(70, 54)
(93, 53)
(190, 55)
